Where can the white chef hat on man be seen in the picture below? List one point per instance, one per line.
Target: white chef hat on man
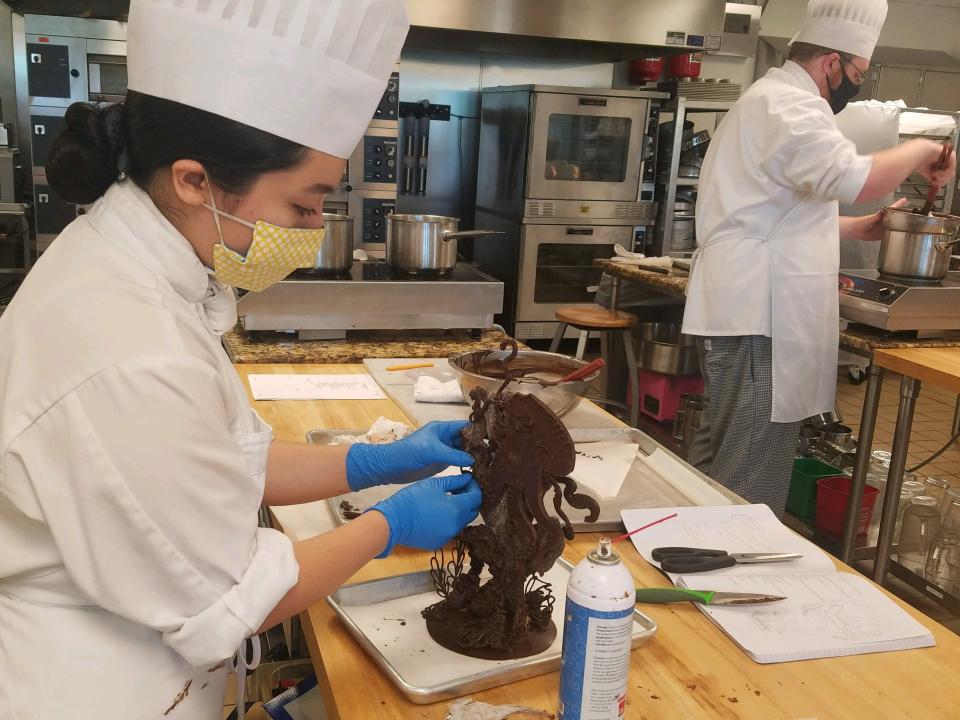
(850, 26)
(309, 71)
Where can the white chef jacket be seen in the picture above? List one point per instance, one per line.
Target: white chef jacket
(768, 234)
(131, 472)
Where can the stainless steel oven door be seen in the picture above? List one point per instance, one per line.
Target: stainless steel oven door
(556, 266)
(107, 78)
(585, 147)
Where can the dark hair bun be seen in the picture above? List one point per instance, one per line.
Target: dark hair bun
(83, 160)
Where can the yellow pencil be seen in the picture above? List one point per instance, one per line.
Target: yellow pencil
(409, 367)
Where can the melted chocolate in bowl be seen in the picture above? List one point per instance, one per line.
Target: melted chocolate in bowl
(545, 368)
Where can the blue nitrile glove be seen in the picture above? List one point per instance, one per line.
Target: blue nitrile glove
(423, 453)
(427, 514)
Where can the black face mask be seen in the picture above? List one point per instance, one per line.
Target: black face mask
(844, 93)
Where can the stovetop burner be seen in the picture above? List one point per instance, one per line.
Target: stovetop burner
(952, 280)
(897, 304)
(909, 281)
(379, 271)
(314, 274)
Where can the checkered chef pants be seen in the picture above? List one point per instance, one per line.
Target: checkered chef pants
(738, 445)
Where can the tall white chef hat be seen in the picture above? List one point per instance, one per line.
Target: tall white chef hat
(310, 71)
(851, 26)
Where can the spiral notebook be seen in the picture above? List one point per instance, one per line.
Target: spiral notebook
(827, 613)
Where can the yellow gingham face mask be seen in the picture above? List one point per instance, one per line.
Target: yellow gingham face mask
(274, 253)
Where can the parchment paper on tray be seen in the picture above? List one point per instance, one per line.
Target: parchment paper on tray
(603, 466)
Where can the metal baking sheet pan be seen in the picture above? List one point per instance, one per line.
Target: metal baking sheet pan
(672, 483)
(384, 617)
(666, 482)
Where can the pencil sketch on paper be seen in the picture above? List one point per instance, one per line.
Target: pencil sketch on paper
(832, 619)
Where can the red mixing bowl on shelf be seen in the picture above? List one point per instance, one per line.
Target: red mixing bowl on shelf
(684, 66)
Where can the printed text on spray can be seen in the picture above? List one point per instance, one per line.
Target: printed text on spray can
(596, 657)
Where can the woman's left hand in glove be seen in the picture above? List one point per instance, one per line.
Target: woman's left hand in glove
(425, 452)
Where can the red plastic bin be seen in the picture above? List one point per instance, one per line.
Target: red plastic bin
(832, 496)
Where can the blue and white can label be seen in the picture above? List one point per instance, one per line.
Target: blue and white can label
(595, 662)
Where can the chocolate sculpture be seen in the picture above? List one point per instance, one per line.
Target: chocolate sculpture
(522, 451)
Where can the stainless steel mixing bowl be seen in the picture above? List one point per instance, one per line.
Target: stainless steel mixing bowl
(479, 369)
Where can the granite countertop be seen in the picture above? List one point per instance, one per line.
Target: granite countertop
(858, 338)
(672, 283)
(867, 340)
(269, 347)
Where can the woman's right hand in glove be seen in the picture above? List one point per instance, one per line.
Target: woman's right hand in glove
(429, 513)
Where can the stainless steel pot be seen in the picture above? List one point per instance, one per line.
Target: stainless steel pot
(690, 417)
(425, 243)
(668, 359)
(664, 332)
(336, 252)
(917, 246)
(683, 232)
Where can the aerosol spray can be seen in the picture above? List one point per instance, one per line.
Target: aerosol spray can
(597, 631)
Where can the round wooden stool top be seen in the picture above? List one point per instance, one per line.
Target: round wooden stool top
(594, 316)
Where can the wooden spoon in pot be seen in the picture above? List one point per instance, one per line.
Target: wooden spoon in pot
(935, 189)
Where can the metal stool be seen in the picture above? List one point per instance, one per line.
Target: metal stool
(595, 319)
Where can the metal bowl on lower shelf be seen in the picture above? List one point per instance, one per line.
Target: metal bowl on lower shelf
(837, 434)
(668, 359)
(482, 368)
(822, 420)
(664, 349)
(664, 332)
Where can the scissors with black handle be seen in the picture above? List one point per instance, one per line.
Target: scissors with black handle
(694, 560)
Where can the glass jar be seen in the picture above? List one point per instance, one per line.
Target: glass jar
(911, 485)
(880, 462)
(950, 510)
(943, 560)
(921, 522)
(904, 503)
(936, 488)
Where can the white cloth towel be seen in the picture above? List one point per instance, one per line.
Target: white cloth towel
(622, 255)
(431, 390)
(469, 709)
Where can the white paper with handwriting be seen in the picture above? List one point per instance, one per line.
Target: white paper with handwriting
(603, 466)
(826, 613)
(315, 387)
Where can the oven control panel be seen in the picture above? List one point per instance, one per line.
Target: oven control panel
(388, 109)
(379, 159)
(374, 223)
(877, 291)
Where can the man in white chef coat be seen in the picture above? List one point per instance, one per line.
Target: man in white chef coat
(762, 295)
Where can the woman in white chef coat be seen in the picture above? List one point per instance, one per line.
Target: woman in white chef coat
(763, 286)
(131, 465)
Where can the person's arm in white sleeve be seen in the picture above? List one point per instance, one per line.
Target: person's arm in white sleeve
(808, 153)
(894, 165)
(151, 503)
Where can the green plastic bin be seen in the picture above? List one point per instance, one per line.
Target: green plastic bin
(802, 498)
